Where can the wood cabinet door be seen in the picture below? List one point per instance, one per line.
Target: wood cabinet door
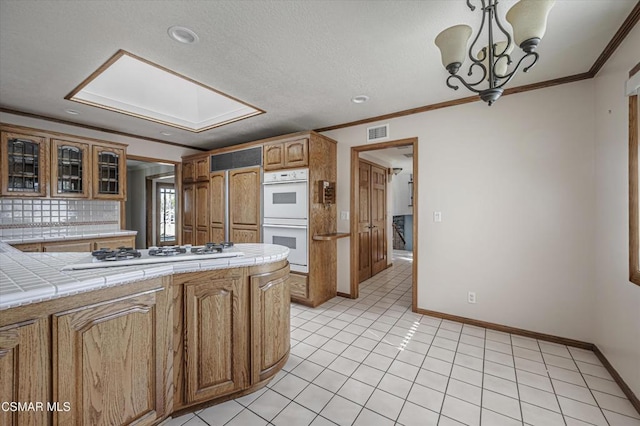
(296, 153)
(218, 207)
(109, 174)
(202, 212)
(70, 169)
(270, 332)
(273, 156)
(202, 169)
(188, 213)
(216, 317)
(114, 243)
(24, 371)
(109, 361)
(244, 204)
(24, 165)
(70, 246)
(29, 248)
(188, 172)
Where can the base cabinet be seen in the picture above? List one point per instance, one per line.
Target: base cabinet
(109, 361)
(270, 318)
(215, 306)
(24, 371)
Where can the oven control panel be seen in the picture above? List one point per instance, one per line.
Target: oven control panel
(286, 176)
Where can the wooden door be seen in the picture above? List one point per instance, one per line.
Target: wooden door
(188, 171)
(217, 209)
(109, 361)
(70, 169)
(372, 205)
(202, 169)
(378, 219)
(216, 317)
(364, 221)
(270, 332)
(244, 205)
(273, 157)
(24, 165)
(202, 212)
(24, 371)
(69, 246)
(296, 153)
(109, 173)
(188, 213)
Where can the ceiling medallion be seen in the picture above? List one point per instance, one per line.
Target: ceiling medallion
(529, 21)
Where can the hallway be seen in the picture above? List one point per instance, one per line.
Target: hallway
(373, 362)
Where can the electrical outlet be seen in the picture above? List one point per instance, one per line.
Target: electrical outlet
(344, 215)
(471, 297)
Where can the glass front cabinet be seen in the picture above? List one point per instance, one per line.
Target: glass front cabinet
(109, 173)
(70, 170)
(24, 165)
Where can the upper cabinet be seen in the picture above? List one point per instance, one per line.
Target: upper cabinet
(109, 173)
(24, 165)
(38, 163)
(70, 169)
(195, 170)
(286, 155)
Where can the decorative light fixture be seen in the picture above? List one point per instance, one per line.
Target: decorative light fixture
(396, 170)
(529, 21)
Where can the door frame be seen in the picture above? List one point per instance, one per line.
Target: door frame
(355, 202)
(178, 185)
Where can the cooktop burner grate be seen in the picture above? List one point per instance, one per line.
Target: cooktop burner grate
(121, 253)
(212, 248)
(166, 251)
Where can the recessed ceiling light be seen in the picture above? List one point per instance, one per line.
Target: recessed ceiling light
(165, 133)
(360, 99)
(183, 34)
(71, 111)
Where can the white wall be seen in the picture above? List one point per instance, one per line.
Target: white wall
(617, 307)
(136, 146)
(515, 185)
(400, 188)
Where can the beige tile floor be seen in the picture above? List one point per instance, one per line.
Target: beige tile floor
(371, 361)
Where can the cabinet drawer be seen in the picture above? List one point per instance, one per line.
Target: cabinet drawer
(299, 285)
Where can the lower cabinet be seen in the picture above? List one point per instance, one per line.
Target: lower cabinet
(109, 361)
(216, 326)
(71, 246)
(231, 331)
(24, 371)
(270, 317)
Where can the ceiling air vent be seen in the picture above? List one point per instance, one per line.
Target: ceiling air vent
(377, 133)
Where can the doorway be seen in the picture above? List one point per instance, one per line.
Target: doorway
(357, 225)
(151, 207)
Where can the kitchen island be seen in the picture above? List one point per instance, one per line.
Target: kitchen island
(134, 344)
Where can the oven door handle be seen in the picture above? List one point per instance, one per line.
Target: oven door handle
(284, 182)
(267, 225)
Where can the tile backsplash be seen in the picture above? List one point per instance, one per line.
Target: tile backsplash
(21, 218)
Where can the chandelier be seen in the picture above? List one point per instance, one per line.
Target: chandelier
(528, 19)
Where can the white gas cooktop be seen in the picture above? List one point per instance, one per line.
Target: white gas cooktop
(89, 262)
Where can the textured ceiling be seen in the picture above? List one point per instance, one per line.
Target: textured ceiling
(300, 61)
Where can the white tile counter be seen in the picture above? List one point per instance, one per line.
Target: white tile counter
(33, 277)
(49, 238)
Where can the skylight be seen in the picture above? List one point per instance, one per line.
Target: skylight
(134, 86)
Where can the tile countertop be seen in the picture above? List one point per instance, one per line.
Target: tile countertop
(56, 237)
(34, 277)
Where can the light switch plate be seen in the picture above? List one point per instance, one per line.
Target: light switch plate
(437, 216)
(344, 215)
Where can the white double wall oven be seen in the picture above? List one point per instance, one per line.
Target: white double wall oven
(286, 214)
